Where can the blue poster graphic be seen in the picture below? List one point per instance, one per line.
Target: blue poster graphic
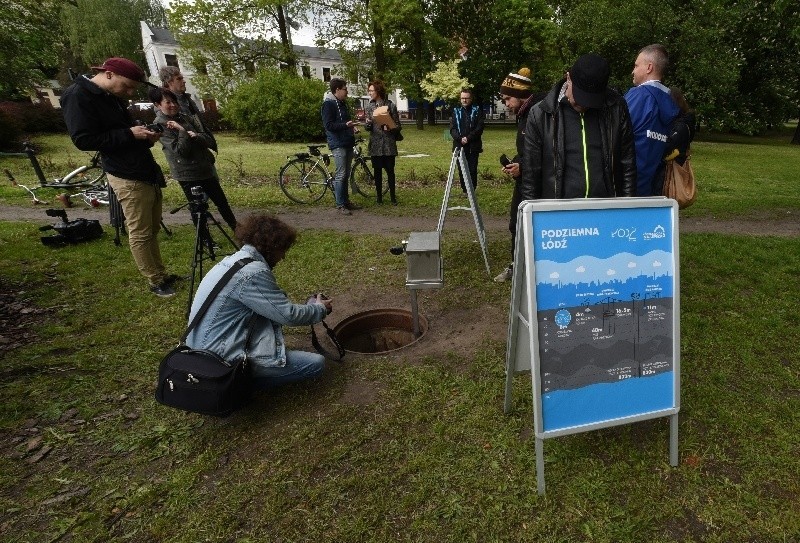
(605, 282)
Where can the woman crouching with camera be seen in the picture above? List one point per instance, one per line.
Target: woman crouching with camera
(246, 317)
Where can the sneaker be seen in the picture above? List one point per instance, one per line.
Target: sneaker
(505, 275)
(164, 290)
(344, 211)
(173, 278)
(352, 207)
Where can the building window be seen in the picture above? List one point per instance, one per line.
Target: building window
(171, 60)
(306, 71)
(326, 74)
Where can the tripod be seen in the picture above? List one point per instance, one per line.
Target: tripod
(204, 246)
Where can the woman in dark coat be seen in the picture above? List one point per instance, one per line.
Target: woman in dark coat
(187, 146)
(382, 140)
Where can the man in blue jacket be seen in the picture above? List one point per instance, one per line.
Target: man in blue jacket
(340, 130)
(466, 128)
(652, 112)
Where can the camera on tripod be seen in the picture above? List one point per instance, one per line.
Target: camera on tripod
(199, 201)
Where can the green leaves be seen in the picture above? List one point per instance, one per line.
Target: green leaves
(278, 106)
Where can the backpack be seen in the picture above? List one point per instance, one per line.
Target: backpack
(67, 232)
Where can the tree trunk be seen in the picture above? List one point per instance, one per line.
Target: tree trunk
(431, 114)
(418, 75)
(380, 54)
(796, 138)
(288, 56)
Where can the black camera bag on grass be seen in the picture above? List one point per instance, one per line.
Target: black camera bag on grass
(67, 232)
(201, 381)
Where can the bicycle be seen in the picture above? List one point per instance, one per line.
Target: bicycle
(87, 181)
(305, 180)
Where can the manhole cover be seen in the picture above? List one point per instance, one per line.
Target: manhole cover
(379, 331)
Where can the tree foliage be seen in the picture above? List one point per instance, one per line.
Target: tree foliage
(735, 61)
(99, 29)
(498, 36)
(30, 45)
(227, 41)
(277, 106)
(444, 82)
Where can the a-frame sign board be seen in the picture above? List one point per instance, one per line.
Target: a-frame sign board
(595, 315)
(459, 161)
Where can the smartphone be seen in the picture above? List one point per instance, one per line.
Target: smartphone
(504, 161)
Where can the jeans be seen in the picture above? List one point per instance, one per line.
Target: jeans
(141, 204)
(300, 365)
(343, 156)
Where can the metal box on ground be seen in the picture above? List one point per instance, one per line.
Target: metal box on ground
(424, 260)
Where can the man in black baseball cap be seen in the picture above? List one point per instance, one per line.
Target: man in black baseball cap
(96, 113)
(570, 133)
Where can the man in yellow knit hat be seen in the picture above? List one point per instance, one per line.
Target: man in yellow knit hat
(516, 93)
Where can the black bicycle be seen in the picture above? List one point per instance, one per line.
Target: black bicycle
(307, 177)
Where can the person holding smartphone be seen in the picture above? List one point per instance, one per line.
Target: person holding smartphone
(516, 93)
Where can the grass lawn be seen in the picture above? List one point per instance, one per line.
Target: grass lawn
(397, 447)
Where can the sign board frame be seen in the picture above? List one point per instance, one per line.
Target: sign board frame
(595, 315)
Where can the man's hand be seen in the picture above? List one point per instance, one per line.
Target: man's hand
(142, 133)
(464, 140)
(327, 302)
(512, 169)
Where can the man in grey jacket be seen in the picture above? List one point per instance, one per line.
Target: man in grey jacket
(172, 78)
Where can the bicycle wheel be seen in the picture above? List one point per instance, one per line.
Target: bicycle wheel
(303, 181)
(362, 180)
(91, 177)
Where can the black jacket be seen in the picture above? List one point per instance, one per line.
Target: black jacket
(458, 128)
(543, 170)
(99, 121)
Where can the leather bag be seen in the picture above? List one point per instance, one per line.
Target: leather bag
(201, 381)
(679, 183)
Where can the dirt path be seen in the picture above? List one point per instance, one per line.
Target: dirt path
(322, 217)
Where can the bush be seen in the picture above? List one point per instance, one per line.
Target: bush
(214, 121)
(10, 128)
(278, 106)
(34, 118)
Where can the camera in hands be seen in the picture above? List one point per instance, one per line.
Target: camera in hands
(313, 299)
(155, 127)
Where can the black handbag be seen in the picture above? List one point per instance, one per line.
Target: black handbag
(201, 381)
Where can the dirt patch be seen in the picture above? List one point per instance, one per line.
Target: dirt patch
(19, 319)
(782, 223)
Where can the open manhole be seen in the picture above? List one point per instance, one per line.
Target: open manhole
(379, 331)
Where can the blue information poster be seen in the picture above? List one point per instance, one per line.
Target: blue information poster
(605, 282)
(595, 315)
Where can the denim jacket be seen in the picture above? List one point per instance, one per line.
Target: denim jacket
(251, 303)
